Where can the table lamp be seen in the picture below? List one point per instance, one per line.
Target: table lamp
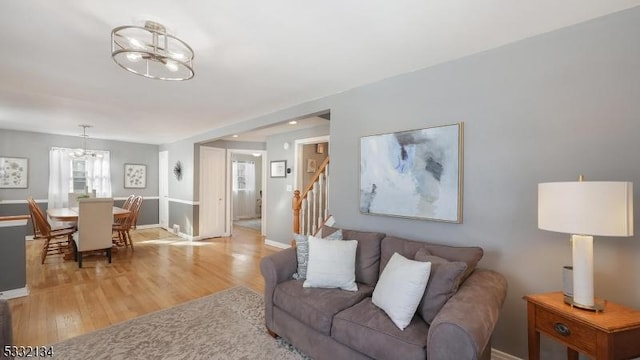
(583, 209)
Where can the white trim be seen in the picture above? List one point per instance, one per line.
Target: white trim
(14, 293)
(13, 223)
(3, 202)
(29, 238)
(188, 202)
(185, 236)
(499, 355)
(148, 226)
(297, 156)
(119, 198)
(276, 244)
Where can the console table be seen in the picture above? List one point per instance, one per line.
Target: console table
(610, 334)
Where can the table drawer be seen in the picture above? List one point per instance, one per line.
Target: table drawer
(570, 332)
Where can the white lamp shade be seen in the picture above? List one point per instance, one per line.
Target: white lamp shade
(603, 208)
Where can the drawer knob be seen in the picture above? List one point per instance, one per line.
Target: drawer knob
(562, 329)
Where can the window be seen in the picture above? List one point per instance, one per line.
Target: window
(243, 175)
(78, 177)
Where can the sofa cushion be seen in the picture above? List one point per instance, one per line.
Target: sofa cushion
(401, 288)
(302, 252)
(443, 283)
(331, 264)
(367, 254)
(366, 328)
(315, 306)
(408, 248)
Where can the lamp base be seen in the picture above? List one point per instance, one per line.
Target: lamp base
(598, 306)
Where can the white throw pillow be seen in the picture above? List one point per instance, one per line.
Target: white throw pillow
(332, 264)
(400, 288)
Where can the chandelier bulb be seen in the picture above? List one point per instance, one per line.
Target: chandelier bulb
(134, 57)
(171, 66)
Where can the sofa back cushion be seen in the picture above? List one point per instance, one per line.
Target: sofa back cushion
(367, 253)
(408, 248)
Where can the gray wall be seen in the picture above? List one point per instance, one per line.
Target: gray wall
(543, 109)
(13, 262)
(278, 201)
(36, 146)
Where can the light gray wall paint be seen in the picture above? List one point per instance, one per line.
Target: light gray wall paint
(182, 151)
(186, 216)
(543, 109)
(13, 262)
(278, 204)
(36, 146)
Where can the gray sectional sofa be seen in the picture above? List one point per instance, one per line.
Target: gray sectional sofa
(337, 324)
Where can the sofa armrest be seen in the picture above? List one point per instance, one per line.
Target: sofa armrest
(463, 327)
(275, 269)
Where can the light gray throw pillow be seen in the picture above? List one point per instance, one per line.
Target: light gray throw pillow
(302, 252)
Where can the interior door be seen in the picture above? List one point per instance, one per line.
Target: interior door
(212, 192)
(163, 189)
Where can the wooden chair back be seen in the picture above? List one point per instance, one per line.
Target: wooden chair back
(135, 208)
(35, 211)
(127, 203)
(42, 228)
(95, 218)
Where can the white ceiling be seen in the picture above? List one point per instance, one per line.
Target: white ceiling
(251, 57)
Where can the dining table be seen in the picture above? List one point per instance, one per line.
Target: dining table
(71, 214)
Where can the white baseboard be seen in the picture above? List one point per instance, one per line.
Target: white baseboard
(499, 355)
(276, 244)
(14, 293)
(148, 226)
(188, 237)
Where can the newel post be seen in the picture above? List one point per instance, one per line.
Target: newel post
(296, 204)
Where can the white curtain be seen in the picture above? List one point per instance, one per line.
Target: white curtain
(99, 174)
(244, 190)
(59, 177)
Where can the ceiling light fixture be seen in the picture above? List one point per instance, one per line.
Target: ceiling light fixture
(150, 52)
(292, 122)
(84, 153)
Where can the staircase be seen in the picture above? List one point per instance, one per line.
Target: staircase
(311, 207)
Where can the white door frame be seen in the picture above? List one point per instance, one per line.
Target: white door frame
(299, 161)
(263, 213)
(163, 180)
(203, 181)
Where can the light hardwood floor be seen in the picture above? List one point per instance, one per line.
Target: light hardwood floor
(161, 272)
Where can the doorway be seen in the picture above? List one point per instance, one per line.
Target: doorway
(247, 189)
(309, 154)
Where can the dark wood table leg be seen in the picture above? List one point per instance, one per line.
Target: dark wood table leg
(533, 334)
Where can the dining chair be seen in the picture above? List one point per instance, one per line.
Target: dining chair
(140, 199)
(95, 216)
(128, 202)
(33, 207)
(122, 228)
(56, 241)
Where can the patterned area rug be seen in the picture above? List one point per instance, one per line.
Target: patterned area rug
(225, 325)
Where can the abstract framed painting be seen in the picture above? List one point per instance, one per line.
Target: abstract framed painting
(413, 174)
(14, 173)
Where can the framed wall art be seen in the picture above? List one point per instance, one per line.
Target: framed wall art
(135, 176)
(278, 169)
(413, 174)
(14, 173)
(312, 165)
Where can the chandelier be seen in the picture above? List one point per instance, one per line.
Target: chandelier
(150, 52)
(83, 153)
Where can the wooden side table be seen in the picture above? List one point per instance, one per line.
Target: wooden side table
(611, 334)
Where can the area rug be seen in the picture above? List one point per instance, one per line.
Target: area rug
(255, 224)
(225, 325)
